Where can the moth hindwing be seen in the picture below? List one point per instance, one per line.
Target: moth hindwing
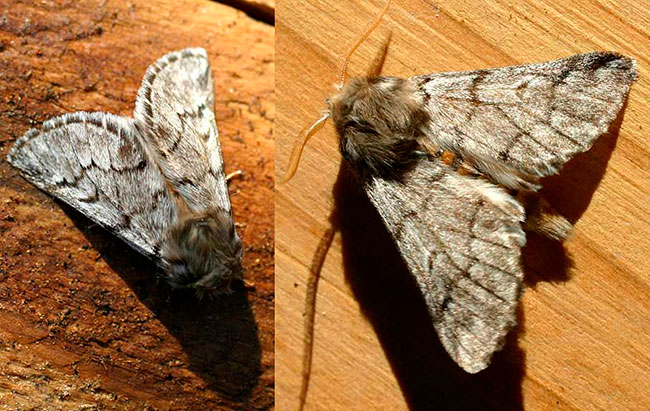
(436, 155)
(157, 181)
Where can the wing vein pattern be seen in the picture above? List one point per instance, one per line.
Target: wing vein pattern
(95, 162)
(530, 119)
(461, 238)
(175, 111)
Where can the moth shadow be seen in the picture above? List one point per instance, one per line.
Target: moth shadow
(219, 336)
(570, 193)
(391, 300)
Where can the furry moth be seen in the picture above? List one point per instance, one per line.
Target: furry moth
(439, 156)
(156, 180)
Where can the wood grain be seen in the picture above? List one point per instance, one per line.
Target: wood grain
(84, 324)
(583, 339)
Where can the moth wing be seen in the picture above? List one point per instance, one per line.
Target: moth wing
(174, 111)
(461, 238)
(95, 163)
(520, 123)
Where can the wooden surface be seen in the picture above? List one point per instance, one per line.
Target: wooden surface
(83, 322)
(583, 340)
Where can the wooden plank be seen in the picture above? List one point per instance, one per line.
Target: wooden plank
(583, 337)
(83, 321)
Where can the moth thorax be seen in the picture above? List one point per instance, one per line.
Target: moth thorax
(379, 120)
(203, 251)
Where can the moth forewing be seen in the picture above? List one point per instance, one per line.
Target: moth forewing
(89, 161)
(527, 120)
(122, 173)
(175, 110)
(462, 250)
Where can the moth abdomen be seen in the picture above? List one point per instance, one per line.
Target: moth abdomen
(379, 120)
(203, 251)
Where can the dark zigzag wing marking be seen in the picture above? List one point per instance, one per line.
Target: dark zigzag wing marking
(471, 286)
(174, 111)
(531, 118)
(95, 163)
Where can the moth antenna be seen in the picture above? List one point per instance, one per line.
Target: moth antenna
(377, 65)
(310, 309)
(373, 25)
(299, 145)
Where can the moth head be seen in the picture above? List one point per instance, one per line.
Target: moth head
(379, 160)
(203, 252)
(378, 120)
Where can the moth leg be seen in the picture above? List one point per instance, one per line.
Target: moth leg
(233, 174)
(542, 218)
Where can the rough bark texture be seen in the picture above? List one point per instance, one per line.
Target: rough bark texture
(84, 324)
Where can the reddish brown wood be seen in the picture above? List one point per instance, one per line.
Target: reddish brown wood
(82, 319)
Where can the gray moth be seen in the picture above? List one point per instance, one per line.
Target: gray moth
(452, 162)
(449, 160)
(155, 180)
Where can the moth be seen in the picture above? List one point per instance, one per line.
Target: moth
(156, 180)
(450, 160)
(452, 217)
